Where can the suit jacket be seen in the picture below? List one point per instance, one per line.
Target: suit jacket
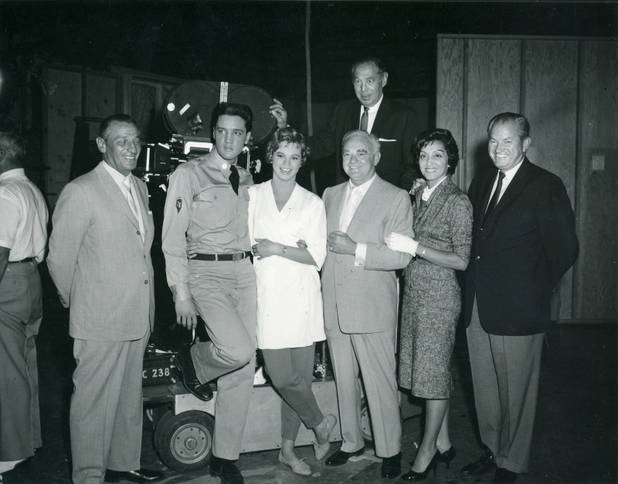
(364, 299)
(393, 126)
(98, 261)
(527, 244)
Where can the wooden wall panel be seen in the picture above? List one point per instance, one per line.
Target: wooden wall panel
(493, 81)
(64, 103)
(568, 89)
(102, 98)
(596, 273)
(550, 104)
(449, 106)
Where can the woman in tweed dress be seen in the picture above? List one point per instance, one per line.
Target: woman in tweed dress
(431, 296)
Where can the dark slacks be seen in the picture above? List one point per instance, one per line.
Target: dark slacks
(505, 377)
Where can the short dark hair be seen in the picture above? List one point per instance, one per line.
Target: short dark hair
(114, 118)
(12, 149)
(446, 138)
(369, 60)
(232, 109)
(287, 135)
(523, 126)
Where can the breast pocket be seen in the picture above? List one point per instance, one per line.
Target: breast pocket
(211, 208)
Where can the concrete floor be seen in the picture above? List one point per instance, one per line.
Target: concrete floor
(575, 435)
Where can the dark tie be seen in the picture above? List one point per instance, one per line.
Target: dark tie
(364, 119)
(234, 178)
(494, 199)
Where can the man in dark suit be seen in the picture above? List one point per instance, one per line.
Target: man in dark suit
(99, 259)
(392, 123)
(523, 242)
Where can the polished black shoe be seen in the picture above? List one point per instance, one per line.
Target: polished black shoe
(421, 476)
(225, 470)
(189, 378)
(504, 476)
(447, 456)
(341, 457)
(391, 466)
(486, 463)
(140, 475)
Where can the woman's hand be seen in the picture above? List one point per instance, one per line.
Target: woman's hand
(401, 243)
(265, 248)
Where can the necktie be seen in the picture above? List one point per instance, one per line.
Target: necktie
(133, 205)
(494, 199)
(234, 178)
(364, 119)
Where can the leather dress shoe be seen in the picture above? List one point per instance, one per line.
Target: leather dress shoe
(189, 378)
(391, 466)
(139, 475)
(504, 476)
(483, 465)
(341, 457)
(225, 470)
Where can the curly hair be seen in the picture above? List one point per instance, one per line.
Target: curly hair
(446, 138)
(287, 135)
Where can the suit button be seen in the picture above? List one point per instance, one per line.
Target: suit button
(137, 232)
(146, 282)
(478, 257)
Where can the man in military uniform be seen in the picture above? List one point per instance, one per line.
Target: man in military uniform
(23, 235)
(206, 212)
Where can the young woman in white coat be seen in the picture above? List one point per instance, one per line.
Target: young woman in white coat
(287, 225)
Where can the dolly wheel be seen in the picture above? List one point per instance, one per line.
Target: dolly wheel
(184, 441)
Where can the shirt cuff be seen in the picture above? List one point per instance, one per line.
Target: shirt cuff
(181, 292)
(360, 255)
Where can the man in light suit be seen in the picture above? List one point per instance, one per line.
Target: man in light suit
(99, 259)
(389, 121)
(359, 289)
(523, 241)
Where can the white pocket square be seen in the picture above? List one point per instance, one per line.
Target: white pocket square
(387, 140)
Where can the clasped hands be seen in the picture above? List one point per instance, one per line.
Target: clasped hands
(265, 247)
(341, 243)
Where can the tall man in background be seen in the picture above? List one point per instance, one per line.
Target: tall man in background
(359, 289)
(99, 259)
(523, 242)
(389, 121)
(23, 236)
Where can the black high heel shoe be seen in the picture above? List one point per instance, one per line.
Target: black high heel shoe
(447, 456)
(421, 476)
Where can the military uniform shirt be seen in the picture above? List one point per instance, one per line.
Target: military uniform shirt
(202, 212)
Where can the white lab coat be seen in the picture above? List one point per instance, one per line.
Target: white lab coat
(289, 297)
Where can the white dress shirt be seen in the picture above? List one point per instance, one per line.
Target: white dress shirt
(508, 178)
(353, 197)
(127, 187)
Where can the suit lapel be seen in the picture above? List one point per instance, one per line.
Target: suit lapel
(363, 211)
(519, 182)
(433, 205)
(382, 117)
(335, 214)
(115, 195)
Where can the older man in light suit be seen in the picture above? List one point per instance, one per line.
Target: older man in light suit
(359, 288)
(99, 259)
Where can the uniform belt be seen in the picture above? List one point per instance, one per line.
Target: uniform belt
(222, 257)
(27, 259)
